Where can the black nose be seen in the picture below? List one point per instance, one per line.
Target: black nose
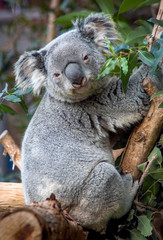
(74, 73)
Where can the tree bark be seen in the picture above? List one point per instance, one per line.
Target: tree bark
(145, 135)
(11, 148)
(43, 220)
(156, 29)
(11, 196)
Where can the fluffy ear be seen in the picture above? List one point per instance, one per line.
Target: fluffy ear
(98, 27)
(30, 71)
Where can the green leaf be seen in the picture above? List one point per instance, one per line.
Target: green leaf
(24, 106)
(161, 105)
(147, 57)
(142, 166)
(124, 65)
(156, 151)
(157, 94)
(155, 21)
(68, 18)
(144, 226)
(131, 215)
(145, 24)
(123, 27)
(155, 48)
(108, 68)
(136, 235)
(6, 109)
(147, 3)
(12, 98)
(121, 47)
(137, 36)
(4, 90)
(20, 92)
(111, 47)
(106, 6)
(157, 174)
(124, 79)
(132, 62)
(127, 4)
(158, 56)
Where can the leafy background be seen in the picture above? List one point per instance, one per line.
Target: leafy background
(16, 107)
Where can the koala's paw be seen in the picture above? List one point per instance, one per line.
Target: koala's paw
(131, 186)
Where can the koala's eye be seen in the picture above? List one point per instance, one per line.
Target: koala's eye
(57, 75)
(86, 58)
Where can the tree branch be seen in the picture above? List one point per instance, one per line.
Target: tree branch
(156, 29)
(145, 135)
(11, 148)
(11, 196)
(42, 220)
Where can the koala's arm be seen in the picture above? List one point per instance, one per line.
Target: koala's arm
(120, 110)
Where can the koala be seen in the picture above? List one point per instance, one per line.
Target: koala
(66, 149)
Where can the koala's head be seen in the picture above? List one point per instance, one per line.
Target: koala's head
(68, 66)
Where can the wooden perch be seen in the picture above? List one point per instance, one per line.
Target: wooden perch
(11, 148)
(43, 220)
(145, 135)
(11, 196)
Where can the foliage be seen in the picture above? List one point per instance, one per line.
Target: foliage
(123, 59)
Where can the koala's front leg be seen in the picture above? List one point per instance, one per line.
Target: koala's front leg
(106, 194)
(119, 109)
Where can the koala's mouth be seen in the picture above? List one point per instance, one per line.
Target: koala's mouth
(81, 84)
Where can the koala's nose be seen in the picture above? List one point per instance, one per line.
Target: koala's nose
(75, 74)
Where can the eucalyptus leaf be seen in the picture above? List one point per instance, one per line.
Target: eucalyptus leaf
(124, 79)
(20, 92)
(121, 47)
(155, 21)
(12, 98)
(5, 90)
(124, 27)
(136, 235)
(144, 226)
(124, 65)
(161, 105)
(148, 26)
(107, 70)
(132, 62)
(142, 166)
(147, 3)
(6, 109)
(147, 57)
(157, 174)
(24, 106)
(127, 4)
(136, 36)
(111, 47)
(155, 48)
(106, 6)
(68, 18)
(156, 151)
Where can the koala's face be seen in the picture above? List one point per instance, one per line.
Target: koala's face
(68, 66)
(72, 68)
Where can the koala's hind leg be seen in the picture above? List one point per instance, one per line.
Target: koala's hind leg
(106, 194)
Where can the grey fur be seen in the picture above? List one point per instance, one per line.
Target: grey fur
(66, 148)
